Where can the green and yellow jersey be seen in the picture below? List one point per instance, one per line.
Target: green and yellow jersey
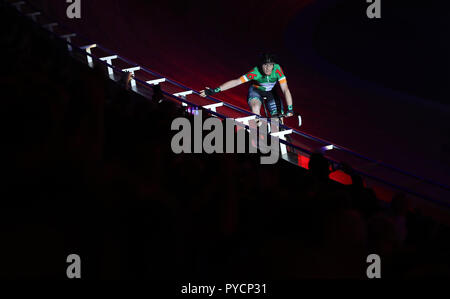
(263, 82)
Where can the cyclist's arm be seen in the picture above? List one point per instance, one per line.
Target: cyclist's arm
(227, 85)
(283, 84)
(252, 75)
(230, 84)
(286, 92)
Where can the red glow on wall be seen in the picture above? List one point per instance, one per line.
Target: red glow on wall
(338, 176)
(341, 177)
(302, 161)
(383, 194)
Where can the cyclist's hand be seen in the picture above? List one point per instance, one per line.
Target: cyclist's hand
(290, 111)
(203, 93)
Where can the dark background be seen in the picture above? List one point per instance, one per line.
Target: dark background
(84, 173)
(407, 49)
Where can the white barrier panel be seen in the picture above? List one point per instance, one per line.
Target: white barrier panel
(183, 95)
(326, 148)
(213, 107)
(18, 5)
(109, 60)
(50, 26)
(156, 82)
(88, 50)
(132, 70)
(68, 37)
(33, 15)
(282, 135)
(246, 119)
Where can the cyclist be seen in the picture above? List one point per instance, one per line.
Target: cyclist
(263, 77)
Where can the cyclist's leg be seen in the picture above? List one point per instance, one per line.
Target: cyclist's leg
(254, 100)
(278, 101)
(271, 104)
(255, 105)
